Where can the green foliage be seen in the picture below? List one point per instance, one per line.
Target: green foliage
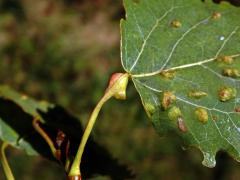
(17, 112)
(15, 130)
(65, 55)
(174, 48)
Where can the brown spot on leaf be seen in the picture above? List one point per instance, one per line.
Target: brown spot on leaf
(181, 125)
(237, 109)
(214, 118)
(216, 15)
(225, 59)
(168, 99)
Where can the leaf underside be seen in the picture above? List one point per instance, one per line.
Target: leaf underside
(153, 44)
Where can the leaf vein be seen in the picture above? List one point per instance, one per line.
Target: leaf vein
(191, 64)
(180, 39)
(149, 35)
(219, 132)
(185, 101)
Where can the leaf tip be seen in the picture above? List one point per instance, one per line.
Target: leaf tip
(209, 160)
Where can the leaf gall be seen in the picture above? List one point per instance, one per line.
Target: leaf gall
(168, 99)
(231, 72)
(216, 15)
(202, 114)
(117, 85)
(197, 94)
(176, 24)
(225, 59)
(174, 113)
(181, 125)
(226, 93)
(168, 74)
(150, 109)
(237, 109)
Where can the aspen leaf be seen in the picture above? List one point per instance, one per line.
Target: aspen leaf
(199, 42)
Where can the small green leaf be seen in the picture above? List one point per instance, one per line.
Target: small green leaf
(199, 42)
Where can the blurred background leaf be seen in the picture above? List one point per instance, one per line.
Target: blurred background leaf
(16, 116)
(64, 52)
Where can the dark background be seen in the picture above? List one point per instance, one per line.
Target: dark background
(64, 51)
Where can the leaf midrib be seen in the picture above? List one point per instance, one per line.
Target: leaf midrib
(196, 105)
(199, 63)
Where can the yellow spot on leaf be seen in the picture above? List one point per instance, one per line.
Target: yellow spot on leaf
(150, 109)
(174, 113)
(202, 115)
(226, 93)
(197, 94)
(168, 74)
(24, 97)
(176, 24)
(231, 72)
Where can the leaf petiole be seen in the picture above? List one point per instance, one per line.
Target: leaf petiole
(44, 135)
(117, 88)
(6, 167)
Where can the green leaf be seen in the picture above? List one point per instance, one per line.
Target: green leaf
(14, 128)
(183, 57)
(17, 112)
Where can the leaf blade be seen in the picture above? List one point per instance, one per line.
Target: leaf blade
(191, 51)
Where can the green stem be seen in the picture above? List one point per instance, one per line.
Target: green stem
(75, 168)
(44, 135)
(6, 167)
(116, 88)
(67, 165)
